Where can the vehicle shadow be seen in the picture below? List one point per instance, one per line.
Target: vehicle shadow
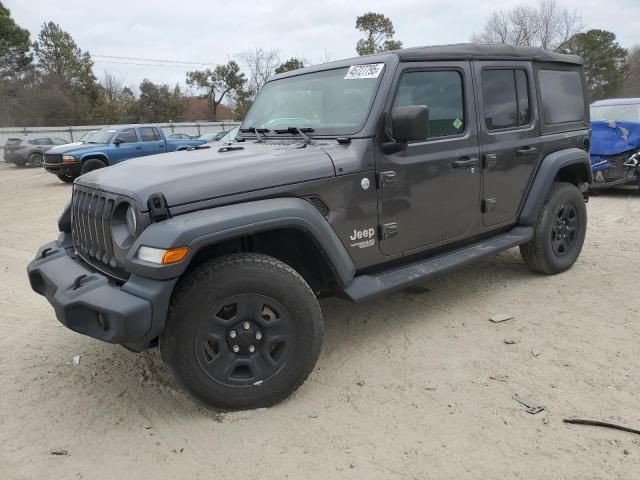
(127, 378)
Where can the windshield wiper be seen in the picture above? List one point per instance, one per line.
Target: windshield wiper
(299, 131)
(257, 131)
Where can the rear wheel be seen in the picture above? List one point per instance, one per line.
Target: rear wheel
(559, 231)
(35, 159)
(243, 331)
(92, 164)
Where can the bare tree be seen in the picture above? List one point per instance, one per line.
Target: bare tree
(548, 26)
(632, 81)
(261, 64)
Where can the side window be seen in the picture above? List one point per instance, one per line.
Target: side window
(562, 96)
(442, 93)
(149, 134)
(506, 98)
(128, 135)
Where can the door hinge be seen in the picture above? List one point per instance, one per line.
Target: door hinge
(389, 230)
(490, 160)
(488, 204)
(385, 178)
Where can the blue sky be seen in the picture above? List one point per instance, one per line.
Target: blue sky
(214, 31)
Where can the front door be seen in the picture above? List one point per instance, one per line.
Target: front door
(129, 148)
(429, 193)
(509, 135)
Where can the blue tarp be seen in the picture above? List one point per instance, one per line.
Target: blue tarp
(610, 137)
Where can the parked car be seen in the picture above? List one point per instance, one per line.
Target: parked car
(29, 150)
(180, 136)
(213, 137)
(108, 147)
(615, 142)
(415, 162)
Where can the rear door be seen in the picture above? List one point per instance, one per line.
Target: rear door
(151, 141)
(509, 137)
(430, 192)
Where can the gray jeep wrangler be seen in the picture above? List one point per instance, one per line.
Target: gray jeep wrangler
(354, 178)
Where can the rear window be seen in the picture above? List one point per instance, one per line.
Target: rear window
(40, 141)
(562, 96)
(13, 141)
(506, 98)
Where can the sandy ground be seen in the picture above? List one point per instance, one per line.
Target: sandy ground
(415, 385)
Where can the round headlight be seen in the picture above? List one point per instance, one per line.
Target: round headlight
(132, 224)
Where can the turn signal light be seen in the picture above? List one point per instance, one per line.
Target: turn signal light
(175, 255)
(161, 256)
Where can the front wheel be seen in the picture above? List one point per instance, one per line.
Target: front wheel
(65, 178)
(91, 164)
(559, 231)
(243, 331)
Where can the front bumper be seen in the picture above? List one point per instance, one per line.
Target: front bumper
(68, 169)
(132, 314)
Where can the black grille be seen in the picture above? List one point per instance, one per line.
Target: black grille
(53, 158)
(91, 213)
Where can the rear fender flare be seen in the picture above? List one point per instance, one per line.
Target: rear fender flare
(551, 165)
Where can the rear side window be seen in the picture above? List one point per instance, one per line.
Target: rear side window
(40, 141)
(562, 96)
(128, 135)
(13, 141)
(149, 134)
(442, 93)
(506, 98)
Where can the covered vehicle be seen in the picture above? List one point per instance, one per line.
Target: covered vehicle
(615, 142)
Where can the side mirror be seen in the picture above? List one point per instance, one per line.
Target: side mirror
(118, 141)
(410, 123)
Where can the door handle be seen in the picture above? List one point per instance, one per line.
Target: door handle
(465, 162)
(526, 151)
(138, 148)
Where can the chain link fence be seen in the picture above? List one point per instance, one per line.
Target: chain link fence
(73, 133)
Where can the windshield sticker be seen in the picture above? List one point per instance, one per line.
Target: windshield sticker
(371, 70)
(457, 123)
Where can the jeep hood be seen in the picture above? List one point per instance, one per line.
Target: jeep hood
(190, 176)
(614, 137)
(75, 147)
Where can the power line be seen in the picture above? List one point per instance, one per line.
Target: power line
(145, 64)
(157, 60)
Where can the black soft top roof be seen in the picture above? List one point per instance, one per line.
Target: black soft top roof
(474, 51)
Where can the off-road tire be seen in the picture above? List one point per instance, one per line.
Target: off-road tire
(91, 164)
(65, 178)
(196, 300)
(563, 200)
(35, 159)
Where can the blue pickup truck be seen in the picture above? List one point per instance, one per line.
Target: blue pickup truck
(110, 146)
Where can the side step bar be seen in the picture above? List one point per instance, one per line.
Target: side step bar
(364, 287)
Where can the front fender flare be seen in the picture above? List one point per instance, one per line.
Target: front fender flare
(545, 176)
(206, 227)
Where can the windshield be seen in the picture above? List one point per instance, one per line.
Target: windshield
(102, 136)
(628, 113)
(87, 136)
(230, 135)
(331, 102)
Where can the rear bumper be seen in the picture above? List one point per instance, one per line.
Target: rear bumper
(68, 169)
(13, 158)
(88, 302)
